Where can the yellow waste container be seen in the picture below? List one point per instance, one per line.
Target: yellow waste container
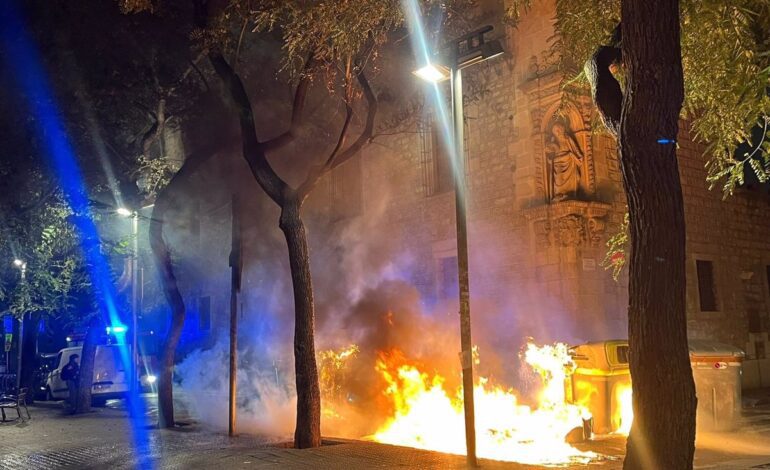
(602, 383)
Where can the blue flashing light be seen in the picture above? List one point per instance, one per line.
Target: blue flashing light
(19, 54)
(116, 329)
(666, 141)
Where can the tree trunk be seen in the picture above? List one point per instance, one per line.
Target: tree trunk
(87, 359)
(663, 432)
(165, 265)
(174, 298)
(29, 360)
(308, 430)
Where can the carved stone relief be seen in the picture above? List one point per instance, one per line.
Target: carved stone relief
(571, 230)
(569, 224)
(596, 229)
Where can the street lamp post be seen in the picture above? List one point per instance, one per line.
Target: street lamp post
(134, 293)
(462, 52)
(22, 266)
(135, 299)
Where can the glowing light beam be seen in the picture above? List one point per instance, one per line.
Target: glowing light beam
(423, 55)
(20, 56)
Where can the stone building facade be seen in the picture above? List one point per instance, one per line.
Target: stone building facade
(544, 195)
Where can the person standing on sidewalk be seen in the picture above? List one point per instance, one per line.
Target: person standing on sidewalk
(71, 373)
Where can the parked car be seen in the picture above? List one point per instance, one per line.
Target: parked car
(109, 379)
(45, 364)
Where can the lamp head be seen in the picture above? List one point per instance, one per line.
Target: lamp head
(433, 73)
(492, 49)
(122, 211)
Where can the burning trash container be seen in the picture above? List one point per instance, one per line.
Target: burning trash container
(602, 383)
(716, 368)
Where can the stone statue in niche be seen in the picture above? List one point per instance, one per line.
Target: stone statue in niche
(565, 163)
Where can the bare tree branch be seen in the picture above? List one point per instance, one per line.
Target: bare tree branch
(194, 66)
(240, 41)
(336, 157)
(366, 134)
(315, 173)
(298, 105)
(253, 151)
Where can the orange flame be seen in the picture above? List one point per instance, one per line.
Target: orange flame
(331, 377)
(426, 416)
(623, 414)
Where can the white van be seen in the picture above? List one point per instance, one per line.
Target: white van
(109, 374)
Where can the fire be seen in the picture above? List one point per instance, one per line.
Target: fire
(553, 363)
(331, 366)
(331, 376)
(623, 414)
(425, 415)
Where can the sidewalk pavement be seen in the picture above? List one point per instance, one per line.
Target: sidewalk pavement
(103, 439)
(756, 397)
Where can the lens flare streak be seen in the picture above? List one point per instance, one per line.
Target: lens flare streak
(22, 57)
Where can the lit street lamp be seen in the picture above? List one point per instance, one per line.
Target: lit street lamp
(433, 73)
(22, 266)
(461, 53)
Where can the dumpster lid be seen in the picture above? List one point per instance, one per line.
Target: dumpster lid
(698, 347)
(702, 347)
(606, 356)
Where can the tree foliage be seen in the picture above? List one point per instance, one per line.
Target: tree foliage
(617, 248)
(726, 63)
(139, 79)
(37, 229)
(333, 30)
(54, 266)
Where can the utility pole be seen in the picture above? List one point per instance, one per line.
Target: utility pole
(236, 267)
